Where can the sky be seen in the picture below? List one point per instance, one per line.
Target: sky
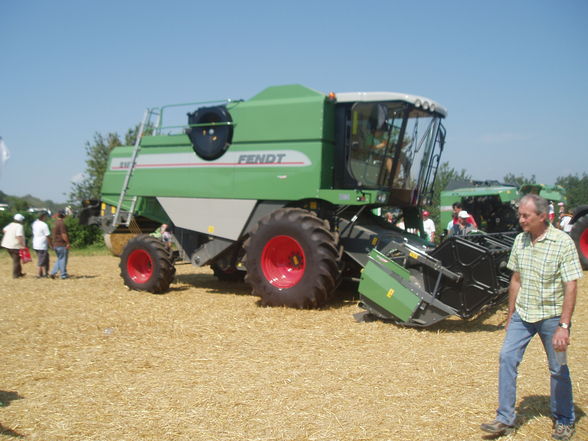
(513, 75)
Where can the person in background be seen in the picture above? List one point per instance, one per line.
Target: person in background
(463, 225)
(14, 241)
(457, 208)
(61, 246)
(163, 233)
(429, 226)
(166, 235)
(564, 222)
(541, 300)
(551, 212)
(41, 244)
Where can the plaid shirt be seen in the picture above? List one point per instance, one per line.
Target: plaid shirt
(544, 268)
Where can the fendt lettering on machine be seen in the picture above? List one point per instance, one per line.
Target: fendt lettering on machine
(284, 191)
(262, 159)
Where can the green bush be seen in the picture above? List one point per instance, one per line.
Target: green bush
(82, 236)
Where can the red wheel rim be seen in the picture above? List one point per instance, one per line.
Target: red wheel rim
(283, 262)
(140, 266)
(584, 242)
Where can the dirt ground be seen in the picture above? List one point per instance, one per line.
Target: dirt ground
(87, 359)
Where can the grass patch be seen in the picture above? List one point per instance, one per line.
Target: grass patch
(92, 250)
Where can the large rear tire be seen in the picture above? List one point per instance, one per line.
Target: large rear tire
(146, 265)
(292, 259)
(579, 235)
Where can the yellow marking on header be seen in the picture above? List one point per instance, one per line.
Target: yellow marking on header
(211, 229)
(414, 255)
(390, 293)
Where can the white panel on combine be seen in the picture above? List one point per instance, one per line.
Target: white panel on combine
(218, 217)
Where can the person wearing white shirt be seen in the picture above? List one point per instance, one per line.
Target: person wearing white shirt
(13, 241)
(429, 226)
(41, 244)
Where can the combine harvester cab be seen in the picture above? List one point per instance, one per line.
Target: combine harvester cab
(280, 190)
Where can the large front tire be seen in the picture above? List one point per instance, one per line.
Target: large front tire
(292, 259)
(146, 265)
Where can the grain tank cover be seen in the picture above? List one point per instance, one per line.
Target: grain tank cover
(290, 113)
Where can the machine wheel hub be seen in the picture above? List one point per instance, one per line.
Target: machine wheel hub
(140, 266)
(283, 262)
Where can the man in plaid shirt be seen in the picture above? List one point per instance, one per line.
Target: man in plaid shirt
(542, 296)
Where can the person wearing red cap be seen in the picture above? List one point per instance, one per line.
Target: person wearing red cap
(429, 226)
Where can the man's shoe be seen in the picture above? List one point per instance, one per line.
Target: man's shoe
(563, 431)
(52, 276)
(497, 428)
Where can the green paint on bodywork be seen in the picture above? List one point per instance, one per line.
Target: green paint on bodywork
(145, 206)
(281, 119)
(283, 113)
(379, 283)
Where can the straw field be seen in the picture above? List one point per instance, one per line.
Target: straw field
(87, 359)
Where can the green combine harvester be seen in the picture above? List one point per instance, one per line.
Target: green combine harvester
(280, 190)
(495, 208)
(494, 205)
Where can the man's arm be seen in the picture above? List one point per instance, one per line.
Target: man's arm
(20, 237)
(65, 238)
(561, 337)
(513, 292)
(472, 221)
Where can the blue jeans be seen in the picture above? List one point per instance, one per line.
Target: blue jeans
(61, 263)
(517, 338)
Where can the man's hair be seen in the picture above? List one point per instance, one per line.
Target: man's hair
(541, 205)
(457, 205)
(42, 215)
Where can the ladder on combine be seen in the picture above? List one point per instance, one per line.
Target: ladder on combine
(123, 200)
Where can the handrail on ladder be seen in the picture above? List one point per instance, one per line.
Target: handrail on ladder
(117, 215)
